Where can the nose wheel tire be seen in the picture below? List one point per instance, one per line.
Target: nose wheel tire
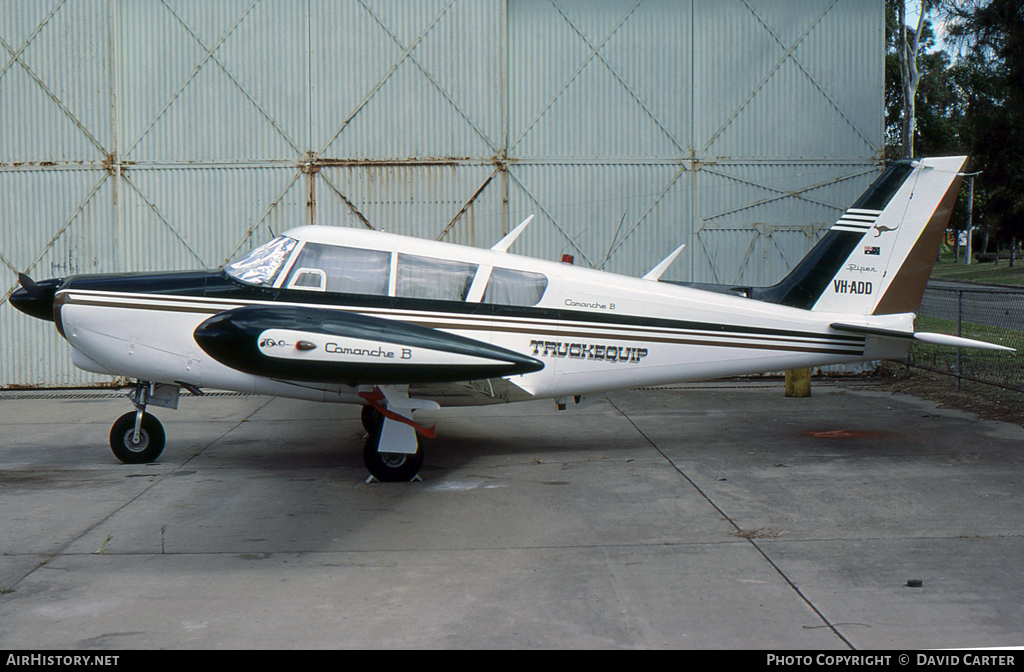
(391, 467)
(150, 442)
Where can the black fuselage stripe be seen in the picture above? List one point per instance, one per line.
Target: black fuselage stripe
(815, 343)
(497, 323)
(230, 294)
(695, 341)
(493, 323)
(646, 338)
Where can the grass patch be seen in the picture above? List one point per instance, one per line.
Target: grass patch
(1001, 368)
(998, 273)
(1011, 338)
(103, 546)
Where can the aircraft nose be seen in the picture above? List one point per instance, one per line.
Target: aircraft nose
(36, 298)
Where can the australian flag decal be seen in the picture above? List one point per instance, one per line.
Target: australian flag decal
(873, 250)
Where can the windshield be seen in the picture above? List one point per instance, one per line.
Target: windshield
(260, 266)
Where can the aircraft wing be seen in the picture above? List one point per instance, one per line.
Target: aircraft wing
(320, 345)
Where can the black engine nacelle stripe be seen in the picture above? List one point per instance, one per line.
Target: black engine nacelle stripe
(232, 338)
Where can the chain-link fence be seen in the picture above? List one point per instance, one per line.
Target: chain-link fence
(992, 314)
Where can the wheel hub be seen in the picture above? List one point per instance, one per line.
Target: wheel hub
(393, 459)
(136, 446)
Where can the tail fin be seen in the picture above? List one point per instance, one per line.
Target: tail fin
(877, 258)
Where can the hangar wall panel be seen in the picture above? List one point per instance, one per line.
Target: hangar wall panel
(161, 134)
(399, 80)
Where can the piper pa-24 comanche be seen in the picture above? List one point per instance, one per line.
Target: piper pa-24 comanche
(397, 324)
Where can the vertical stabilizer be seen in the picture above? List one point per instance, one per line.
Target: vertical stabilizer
(877, 258)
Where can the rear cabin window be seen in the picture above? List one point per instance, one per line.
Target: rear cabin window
(507, 287)
(347, 270)
(429, 278)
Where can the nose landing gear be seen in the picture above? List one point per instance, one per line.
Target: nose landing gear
(138, 437)
(136, 440)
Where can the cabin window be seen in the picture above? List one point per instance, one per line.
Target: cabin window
(262, 265)
(508, 287)
(429, 278)
(347, 270)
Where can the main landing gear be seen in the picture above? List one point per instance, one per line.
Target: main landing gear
(138, 437)
(387, 467)
(393, 451)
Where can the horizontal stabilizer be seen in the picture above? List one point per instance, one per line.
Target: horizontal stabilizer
(923, 336)
(958, 342)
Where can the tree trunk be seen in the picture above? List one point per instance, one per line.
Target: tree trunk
(908, 70)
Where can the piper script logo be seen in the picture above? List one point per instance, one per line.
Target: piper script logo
(606, 353)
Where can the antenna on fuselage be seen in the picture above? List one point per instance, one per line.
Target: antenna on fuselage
(506, 242)
(656, 272)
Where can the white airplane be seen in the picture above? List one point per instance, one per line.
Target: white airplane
(397, 324)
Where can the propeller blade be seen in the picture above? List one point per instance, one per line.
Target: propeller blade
(30, 286)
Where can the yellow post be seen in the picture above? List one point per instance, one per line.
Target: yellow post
(798, 383)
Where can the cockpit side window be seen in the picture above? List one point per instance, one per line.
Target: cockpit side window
(308, 278)
(262, 265)
(508, 287)
(345, 270)
(429, 278)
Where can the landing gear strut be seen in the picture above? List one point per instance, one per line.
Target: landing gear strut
(137, 437)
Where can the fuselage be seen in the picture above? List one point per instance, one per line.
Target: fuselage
(593, 331)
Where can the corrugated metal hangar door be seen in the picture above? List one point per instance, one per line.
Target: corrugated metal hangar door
(166, 134)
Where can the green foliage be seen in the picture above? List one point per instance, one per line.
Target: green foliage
(970, 100)
(990, 35)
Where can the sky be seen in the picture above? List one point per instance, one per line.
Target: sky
(914, 11)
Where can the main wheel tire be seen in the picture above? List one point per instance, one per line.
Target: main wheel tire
(371, 419)
(149, 446)
(391, 467)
